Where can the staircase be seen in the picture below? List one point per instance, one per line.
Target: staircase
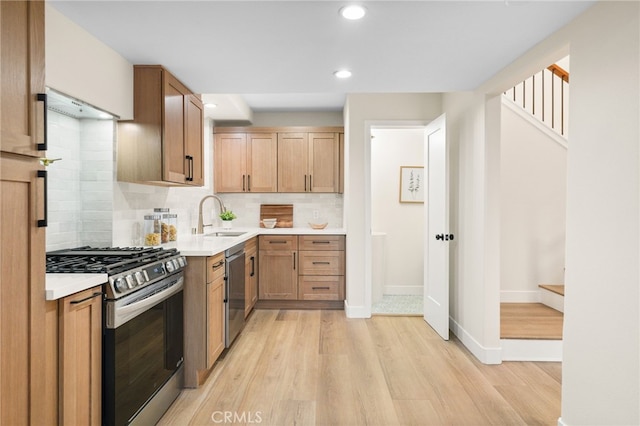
(545, 95)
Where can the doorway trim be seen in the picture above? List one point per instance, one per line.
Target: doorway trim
(368, 254)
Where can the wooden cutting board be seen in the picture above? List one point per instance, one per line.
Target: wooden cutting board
(282, 212)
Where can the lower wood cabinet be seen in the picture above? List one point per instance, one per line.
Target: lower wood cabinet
(203, 316)
(301, 268)
(250, 275)
(80, 349)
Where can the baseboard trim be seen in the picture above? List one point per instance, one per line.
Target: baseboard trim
(484, 355)
(531, 350)
(356, 311)
(560, 422)
(515, 296)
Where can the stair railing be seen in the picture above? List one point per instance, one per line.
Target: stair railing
(545, 95)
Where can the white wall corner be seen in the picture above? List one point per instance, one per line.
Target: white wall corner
(561, 422)
(356, 311)
(484, 355)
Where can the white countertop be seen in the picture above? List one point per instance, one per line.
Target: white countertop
(60, 285)
(208, 245)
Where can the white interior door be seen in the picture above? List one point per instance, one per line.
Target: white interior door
(437, 237)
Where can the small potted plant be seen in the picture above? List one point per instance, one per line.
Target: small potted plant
(227, 216)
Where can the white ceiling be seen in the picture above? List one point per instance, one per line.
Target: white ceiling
(281, 55)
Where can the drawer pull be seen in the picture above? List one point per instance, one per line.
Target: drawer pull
(320, 288)
(75, 302)
(217, 265)
(320, 242)
(321, 263)
(277, 242)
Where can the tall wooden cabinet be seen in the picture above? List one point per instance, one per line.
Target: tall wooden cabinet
(22, 208)
(163, 145)
(245, 162)
(203, 316)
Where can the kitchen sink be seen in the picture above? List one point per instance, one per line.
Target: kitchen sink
(226, 234)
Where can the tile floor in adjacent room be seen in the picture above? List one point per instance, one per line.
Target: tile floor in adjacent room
(399, 304)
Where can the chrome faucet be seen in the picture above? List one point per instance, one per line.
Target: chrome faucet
(201, 225)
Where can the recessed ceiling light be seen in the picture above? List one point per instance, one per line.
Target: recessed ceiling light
(210, 105)
(353, 12)
(342, 73)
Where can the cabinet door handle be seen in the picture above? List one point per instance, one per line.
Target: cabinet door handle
(189, 177)
(42, 97)
(321, 263)
(320, 242)
(217, 265)
(310, 187)
(278, 242)
(294, 260)
(243, 186)
(253, 266)
(320, 288)
(75, 302)
(43, 222)
(249, 183)
(305, 183)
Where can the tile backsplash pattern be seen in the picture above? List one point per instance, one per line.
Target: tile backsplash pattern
(81, 184)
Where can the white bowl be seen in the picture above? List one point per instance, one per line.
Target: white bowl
(270, 223)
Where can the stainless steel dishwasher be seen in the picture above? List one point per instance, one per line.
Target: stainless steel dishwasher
(234, 293)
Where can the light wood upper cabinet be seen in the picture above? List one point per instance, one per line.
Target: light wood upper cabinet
(278, 159)
(163, 144)
(324, 162)
(308, 162)
(245, 162)
(22, 123)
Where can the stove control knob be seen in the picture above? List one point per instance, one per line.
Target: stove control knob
(170, 266)
(139, 278)
(181, 261)
(130, 281)
(121, 284)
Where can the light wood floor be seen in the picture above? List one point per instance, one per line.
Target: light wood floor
(321, 368)
(530, 321)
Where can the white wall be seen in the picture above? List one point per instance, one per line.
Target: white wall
(81, 66)
(403, 223)
(601, 359)
(533, 207)
(362, 110)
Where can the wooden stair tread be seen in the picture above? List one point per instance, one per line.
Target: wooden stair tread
(554, 288)
(530, 321)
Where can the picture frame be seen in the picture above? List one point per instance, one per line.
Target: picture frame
(412, 184)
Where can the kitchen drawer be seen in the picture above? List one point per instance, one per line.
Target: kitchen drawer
(321, 262)
(321, 288)
(321, 242)
(278, 242)
(215, 267)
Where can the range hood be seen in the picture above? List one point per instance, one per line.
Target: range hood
(74, 108)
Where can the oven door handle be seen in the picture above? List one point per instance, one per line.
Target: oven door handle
(123, 314)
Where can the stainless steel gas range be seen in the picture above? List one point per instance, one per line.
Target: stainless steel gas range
(143, 327)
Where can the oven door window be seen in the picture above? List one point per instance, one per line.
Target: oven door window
(140, 356)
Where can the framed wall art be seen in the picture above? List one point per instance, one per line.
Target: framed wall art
(412, 184)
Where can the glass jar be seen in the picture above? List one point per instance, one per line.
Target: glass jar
(152, 229)
(169, 227)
